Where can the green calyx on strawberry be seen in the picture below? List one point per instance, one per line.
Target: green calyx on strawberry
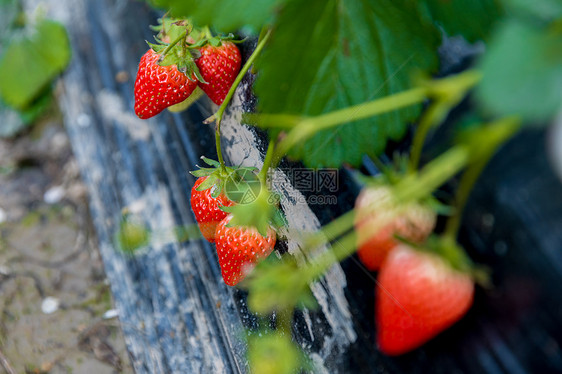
(277, 284)
(208, 197)
(167, 75)
(240, 248)
(219, 63)
(261, 212)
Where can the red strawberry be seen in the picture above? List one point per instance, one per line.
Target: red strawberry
(239, 250)
(158, 87)
(419, 295)
(207, 209)
(377, 226)
(219, 67)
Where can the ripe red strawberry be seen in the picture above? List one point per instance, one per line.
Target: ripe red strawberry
(419, 295)
(158, 87)
(240, 249)
(376, 226)
(207, 209)
(219, 67)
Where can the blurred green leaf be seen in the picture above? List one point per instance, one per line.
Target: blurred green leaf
(13, 122)
(224, 15)
(30, 63)
(273, 353)
(9, 10)
(275, 285)
(330, 54)
(522, 73)
(472, 19)
(545, 10)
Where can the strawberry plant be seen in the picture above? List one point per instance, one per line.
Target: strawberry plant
(337, 81)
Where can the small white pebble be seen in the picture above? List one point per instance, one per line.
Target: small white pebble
(50, 305)
(83, 120)
(54, 195)
(4, 270)
(111, 313)
(3, 215)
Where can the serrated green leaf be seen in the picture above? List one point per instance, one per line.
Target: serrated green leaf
(330, 54)
(472, 19)
(224, 15)
(29, 64)
(522, 73)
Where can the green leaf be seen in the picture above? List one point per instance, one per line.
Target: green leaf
(545, 10)
(278, 284)
(30, 63)
(472, 19)
(522, 73)
(330, 54)
(14, 122)
(9, 10)
(274, 353)
(224, 15)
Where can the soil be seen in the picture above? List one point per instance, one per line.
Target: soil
(56, 311)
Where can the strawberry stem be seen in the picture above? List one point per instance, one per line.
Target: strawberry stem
(220, 112)
(307, 127)
(497, 133)
(447, 93)
(341, 249)
(411, 188)
(218, 115)
(218, 146)
(267, 162)
(420, 185)
(174, 42)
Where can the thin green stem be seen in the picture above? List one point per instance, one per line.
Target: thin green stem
(310, 126)
(267, 162)
(430, 118)
(218, 115)
(434, 174)
(341, 249)
(497, 134)
(447, 93)
(284, 319)
(330, 231)
(220, 112)
(174, 42)
(219, 147)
